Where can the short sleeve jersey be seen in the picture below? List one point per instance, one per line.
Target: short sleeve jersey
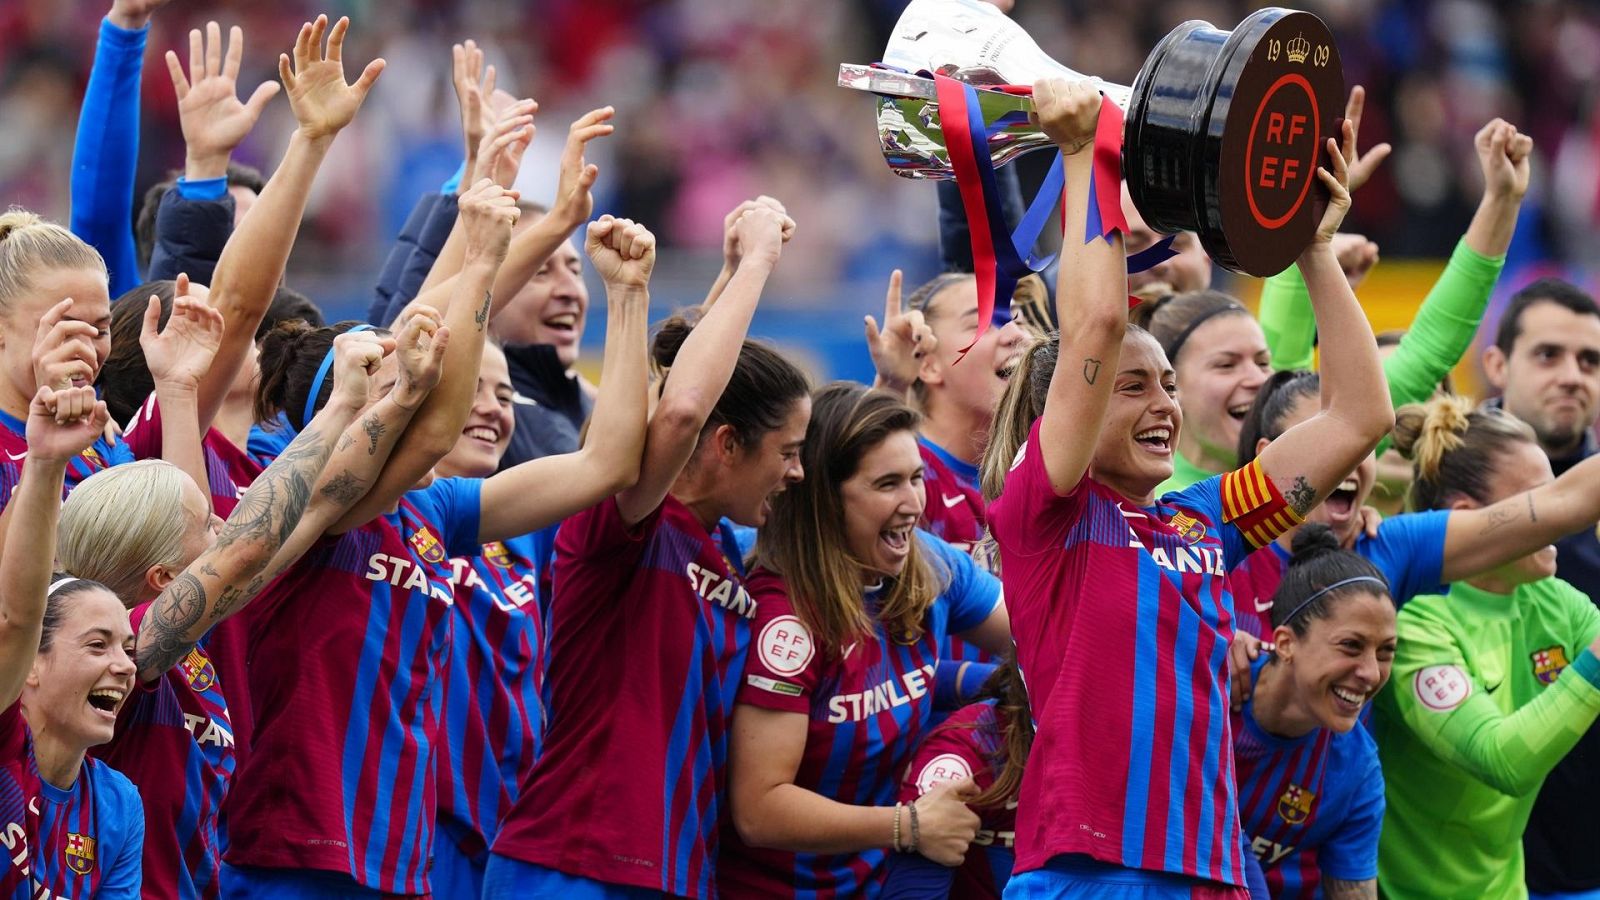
(1310, 806)
(177, 725)
(493, 715)
(648, 632)
(1122, 618)
(346, 657)
(84, 841)
(14, 449)
(229, 472)
(868, 705)
(954, 513)
(971, 744)
(1409, 551)
(1488, 692)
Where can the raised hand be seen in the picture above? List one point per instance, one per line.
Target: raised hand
(357, 356)
(1361, 166)
(622, 250)
(574, 203)
(420, 351)
(214, 121)
(898, 350)
(947, 826)
(759, 231)
(1338, 184)
(473, 87)
(62, 424)
(499, 154)
(63, 353)
(180, 354)
(322, 102)
(132, 15)
(1356, 256)
(731, 251)
(1067, 111)
(487, 211)
(1503, 155)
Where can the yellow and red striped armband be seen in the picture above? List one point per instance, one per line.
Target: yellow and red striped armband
(1251, 502)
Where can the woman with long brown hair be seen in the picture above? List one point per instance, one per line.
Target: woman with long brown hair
(853, 602)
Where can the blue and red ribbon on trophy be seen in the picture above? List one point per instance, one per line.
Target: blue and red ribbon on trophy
(1001, 255)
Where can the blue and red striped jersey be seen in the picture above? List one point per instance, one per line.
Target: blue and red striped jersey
(82, 841)
(954, 513)
(177, 724)
(14, 449)
(1311, 805)
(648, 631)
(493, 712)
(347, 649)
(868, 705)
(1122, 618)
(971, 744)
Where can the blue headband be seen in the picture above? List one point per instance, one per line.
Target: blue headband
(1333, 587)
(322, 374)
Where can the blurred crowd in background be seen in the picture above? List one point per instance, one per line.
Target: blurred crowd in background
(721, 99)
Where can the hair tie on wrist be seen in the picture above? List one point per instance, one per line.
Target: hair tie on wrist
(322, 374)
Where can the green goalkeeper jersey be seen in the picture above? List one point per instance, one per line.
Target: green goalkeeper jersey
(1488, 692)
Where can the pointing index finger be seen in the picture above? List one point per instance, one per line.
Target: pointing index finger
(891, 298)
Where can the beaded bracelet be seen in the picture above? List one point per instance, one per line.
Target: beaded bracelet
(897, 847)
(915, 835)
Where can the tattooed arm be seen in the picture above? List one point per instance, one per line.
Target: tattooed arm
(34, 505)
(269, 513)
(1335, 889)
(1477, 540)
(487, 213)
(1314, 456)
(1091, 295)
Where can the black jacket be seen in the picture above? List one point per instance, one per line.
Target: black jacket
(190, 235)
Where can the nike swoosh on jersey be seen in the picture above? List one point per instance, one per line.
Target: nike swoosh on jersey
(1263, 607)
(950, 501)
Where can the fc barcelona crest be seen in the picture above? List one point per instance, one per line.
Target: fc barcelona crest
(496, 552)
(197, 671)
(1189, 528)
(1548, 663)
(1294, 806)
(80, 853)
(427, 546)
(92, 457)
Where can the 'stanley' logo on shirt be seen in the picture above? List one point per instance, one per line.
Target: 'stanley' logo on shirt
(724, 592)
(1269, 851)
(406, 575)
(912, 685)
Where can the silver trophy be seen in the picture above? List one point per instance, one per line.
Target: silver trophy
(1222, 132)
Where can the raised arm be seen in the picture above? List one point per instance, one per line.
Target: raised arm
(267, 514)
(252, 264)
(1091, 293)
(1478, 540)
(1314, 456)
(487, 212)
(179, 356)
(731, 251)
(898, 349)
(34, 506)
(105, 154)
(703, 366)
(520, 499)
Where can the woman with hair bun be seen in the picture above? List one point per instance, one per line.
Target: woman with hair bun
(1310, 788)
(1496, 677)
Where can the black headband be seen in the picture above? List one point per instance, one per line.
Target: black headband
(1177, 343)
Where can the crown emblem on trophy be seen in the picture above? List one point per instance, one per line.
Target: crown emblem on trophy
(1299, 49)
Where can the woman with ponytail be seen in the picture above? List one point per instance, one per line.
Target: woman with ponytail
(987, 741)
(1437, 544)
(1310, 788)
(853, 604)
(1497, 676)
(1113, 588)
(651, 619)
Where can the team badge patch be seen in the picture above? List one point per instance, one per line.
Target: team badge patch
(1548, 663)
(496, 552)
(197, 671)
(80, 853)
(1294, 806)
(942, 768)
(92, 457)
(785, 645)
(427, 546)
(1442, 688)
(1189, 528)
